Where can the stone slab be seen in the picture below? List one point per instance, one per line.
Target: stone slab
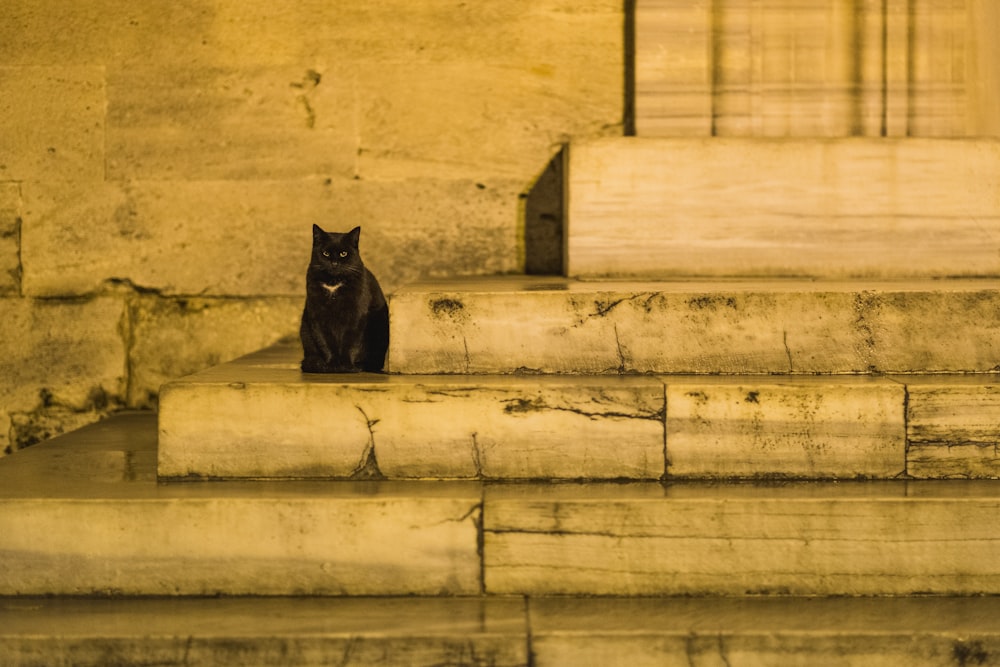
(277, 632)
(871, 538)
(811, 427)
(52, 121)
(532, 324)
(252, 238)
(953, 426)
(83, 515)
(261, 417)
(847, 208)
(759, 631)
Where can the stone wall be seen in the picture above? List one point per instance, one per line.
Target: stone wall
(161, 165)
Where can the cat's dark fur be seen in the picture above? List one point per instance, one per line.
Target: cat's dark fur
(345, 324)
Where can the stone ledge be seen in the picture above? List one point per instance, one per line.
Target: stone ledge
(555, 631)
(83, 515)
(557, 325)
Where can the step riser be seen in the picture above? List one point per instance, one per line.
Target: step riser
(555, 326)
(500, 632)
(849, 208)
(258, 417)
(640, 540)
(240, 547)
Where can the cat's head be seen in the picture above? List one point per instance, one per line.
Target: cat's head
(336, 253)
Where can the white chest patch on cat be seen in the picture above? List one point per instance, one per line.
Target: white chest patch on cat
(332, 289)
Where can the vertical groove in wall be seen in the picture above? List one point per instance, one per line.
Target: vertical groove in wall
(911, 32)
(628, 117)
(715, 26)
(857, 50)
(884, 120)
(18, 223)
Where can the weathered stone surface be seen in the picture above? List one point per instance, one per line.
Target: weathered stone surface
(268, 632)
(859, 538)
(106, 526)
(953, 426)
(194, 33)
(52, 121)
(796, 427)
(246, 123)
(58, 358)
(171, 338)
(754, 631)
(484, 131)
(278, 631)
(260, 417)
(245, 238)
(779, 326)
(10, 243)
(848, 208)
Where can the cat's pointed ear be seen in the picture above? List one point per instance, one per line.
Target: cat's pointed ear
(318, 232)
(354, 236)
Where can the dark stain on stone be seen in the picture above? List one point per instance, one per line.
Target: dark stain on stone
(968, 653)
(449, 307)
(752, 397)
(703, 302)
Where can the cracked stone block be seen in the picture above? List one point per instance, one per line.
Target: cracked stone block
(557, 325)
(953, 426)
(858, 208)
(260, 416)
(52, 119)
(230, 123)
(267, 632)
(809, 538)
(10, 231)
(84, 533)
(172, 338)
(60, 362)
(651, 632)
(810, 427)
(252, 239)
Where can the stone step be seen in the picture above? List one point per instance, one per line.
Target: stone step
(83, 514)
(520, 324)
(873, 208)
(505, 632)
(258, 417)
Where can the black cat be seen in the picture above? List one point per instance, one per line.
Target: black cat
(345, 324)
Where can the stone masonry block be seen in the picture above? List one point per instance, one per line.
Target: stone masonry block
(195, 33)
(52, 121)
(249, 238)
(260, 417)
(10, 231)
(239, 123)
(72, 352)
(171, 338)
(58, 360)
(500, 121)
(836, 427)
(953, 426)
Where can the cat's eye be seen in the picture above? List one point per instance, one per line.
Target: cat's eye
(343, 253)
(326, 253)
